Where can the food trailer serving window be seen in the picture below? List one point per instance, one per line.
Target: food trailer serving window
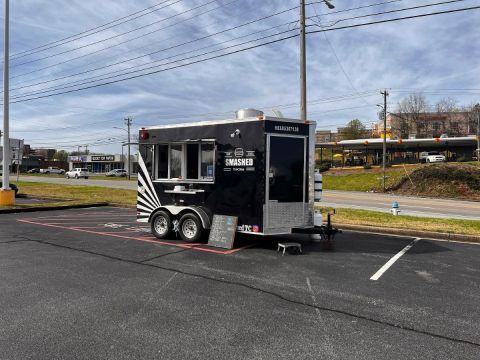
(185, 161)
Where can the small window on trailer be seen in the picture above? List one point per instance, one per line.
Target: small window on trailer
(187, 160)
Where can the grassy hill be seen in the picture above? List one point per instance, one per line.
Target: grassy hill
(453, 180)
(447, 180)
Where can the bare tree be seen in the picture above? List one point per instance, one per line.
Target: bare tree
(471, 116)
(447, 105)
(448, 109)
(410, 114)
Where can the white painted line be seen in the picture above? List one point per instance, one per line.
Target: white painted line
(390, 262)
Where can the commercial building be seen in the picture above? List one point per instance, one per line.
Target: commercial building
(101, 163)
(428, 125)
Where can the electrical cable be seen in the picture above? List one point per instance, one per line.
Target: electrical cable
(87, 33)
(390, 12)
(121, 43)
(256, 46)
(102, 77)
(338, 59)
(127, 32)
(165, 49)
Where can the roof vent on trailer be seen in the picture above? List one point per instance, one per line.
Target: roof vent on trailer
(247, 113)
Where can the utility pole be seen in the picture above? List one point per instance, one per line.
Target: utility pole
(128, 122)
(303, 59)
(477, 108)
(384, 155)
(86, 149)
(6, 100)
(303, 64)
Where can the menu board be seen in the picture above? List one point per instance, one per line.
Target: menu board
(222, 231)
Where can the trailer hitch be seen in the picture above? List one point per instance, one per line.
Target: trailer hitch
(326, 231)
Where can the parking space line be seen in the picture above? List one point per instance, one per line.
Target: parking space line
(390, 262)
(152, 240)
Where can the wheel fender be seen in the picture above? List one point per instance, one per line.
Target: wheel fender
(203, 213)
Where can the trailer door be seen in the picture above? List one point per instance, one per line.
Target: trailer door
(285, 183)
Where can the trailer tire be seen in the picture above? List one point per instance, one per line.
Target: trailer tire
(161, 225)
(190, 227)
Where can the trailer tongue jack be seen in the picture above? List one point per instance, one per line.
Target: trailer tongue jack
(326, 231)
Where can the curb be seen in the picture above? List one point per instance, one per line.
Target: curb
(48, 208)
(414, 233)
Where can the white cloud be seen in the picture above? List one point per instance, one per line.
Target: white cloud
(429, 53)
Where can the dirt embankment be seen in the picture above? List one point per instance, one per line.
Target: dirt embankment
(459, 181)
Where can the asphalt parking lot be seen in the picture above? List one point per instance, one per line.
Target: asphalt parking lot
(92, 283)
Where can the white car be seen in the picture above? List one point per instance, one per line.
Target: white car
(431, 157)
(117, 173)
(52, 170)
(77, 173)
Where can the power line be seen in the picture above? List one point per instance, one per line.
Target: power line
(337, 58)
(88, 32)
(350, 9)
(330, 99)
(253, 47)
(170, 48)
(115, 45)
(127, 32)
(391, 11)
(102, 77)
(123, 42)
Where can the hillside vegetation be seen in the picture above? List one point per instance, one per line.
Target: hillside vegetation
(454, 180)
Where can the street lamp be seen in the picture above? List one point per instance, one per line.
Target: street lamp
(329, 4)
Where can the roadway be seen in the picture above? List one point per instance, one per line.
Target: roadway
(409, 205)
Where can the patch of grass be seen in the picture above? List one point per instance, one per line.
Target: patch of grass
(386, 220)
(78, 193)
(365, 180)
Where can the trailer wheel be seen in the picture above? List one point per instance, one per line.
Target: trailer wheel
(161, 225)
(190, 227)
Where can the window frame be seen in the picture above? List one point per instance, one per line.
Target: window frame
(183, 179)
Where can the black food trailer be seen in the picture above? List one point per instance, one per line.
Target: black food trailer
(257, 168)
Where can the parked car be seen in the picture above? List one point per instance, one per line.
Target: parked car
(77, 173)
(33, 171)
(354, 161)
(475, 154)
(12, 186)
(117, 172)
(431, 157)
(52, 170)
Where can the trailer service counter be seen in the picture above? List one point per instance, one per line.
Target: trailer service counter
(258, 168)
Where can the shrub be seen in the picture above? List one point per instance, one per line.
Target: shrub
(323, 166)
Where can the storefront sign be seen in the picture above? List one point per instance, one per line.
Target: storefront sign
(103, 157)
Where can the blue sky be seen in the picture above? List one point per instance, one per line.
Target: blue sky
(346, 68)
